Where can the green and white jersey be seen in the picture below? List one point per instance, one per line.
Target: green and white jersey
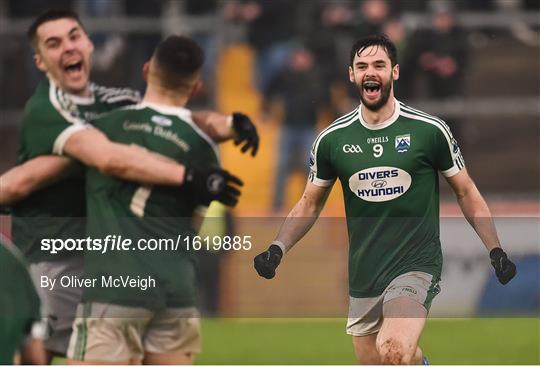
(19, 303)
(388, 175)
(127, 209)
(51, 116)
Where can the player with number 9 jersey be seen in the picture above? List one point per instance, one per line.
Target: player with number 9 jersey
(389, 179)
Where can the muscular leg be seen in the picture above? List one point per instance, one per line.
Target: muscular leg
(365, 349)
(397, 341)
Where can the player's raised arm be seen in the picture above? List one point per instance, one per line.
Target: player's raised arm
(20, 181)
(298, 223)
(237, 126)
(132, 163)
(478, 215)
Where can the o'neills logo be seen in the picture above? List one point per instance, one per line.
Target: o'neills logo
(378, 184)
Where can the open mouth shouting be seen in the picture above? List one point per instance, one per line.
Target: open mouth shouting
(73, 69)
(371, 89)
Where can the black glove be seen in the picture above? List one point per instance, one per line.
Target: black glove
(212, 183)
(246, 132)
(504, 268)
(267, 262)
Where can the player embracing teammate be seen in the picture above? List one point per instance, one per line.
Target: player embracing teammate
(47, 189)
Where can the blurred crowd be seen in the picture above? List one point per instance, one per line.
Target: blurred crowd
(300, 48)
(276, 30)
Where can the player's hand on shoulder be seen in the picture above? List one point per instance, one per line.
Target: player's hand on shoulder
(266, 263)
(505, 269)
(213, 183)
(245, 132)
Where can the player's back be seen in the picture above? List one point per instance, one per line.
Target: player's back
(166, 131)
(118, 207)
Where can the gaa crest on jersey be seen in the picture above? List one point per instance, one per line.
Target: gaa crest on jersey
(455, 146)
(403, 143)
(377, 184)
(352, 148)
(311, 158)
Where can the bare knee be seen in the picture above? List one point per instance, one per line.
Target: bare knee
(392, 351)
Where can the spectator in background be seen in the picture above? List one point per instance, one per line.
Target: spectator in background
(201, 12)
(107, 46)
(297, 87)
(140, 46)
(395, 30)
(329, 38)
(441, 54)
(271, 25)
(374, 14)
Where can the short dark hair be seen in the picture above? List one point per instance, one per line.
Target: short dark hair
(178, 59)
(381, 40)
(47, 16)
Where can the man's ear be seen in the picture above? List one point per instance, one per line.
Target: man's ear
(38, 60)
(197, 87)
(146, 70)
(395, 72)
(351, 75)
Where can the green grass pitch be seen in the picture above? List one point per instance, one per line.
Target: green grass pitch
(323, 341)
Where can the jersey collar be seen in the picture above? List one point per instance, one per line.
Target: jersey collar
(181, 112)
(78, 100)
(383, 124)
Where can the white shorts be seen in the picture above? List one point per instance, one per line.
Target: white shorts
(113, 333)
(366, 314)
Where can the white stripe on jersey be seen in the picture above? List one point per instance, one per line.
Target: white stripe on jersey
(123, 98)
(60, 101)
(458, 159)
(455, 157)
(57, 99)
(113, 95)
(343, 122)
(139, 199)
(63, 137)
(335, 122)
(426, 115)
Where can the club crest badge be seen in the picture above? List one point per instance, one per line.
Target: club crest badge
(403, 143)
